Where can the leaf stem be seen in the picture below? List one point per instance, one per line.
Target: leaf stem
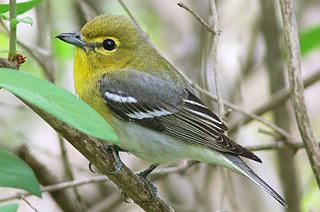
(13, 29)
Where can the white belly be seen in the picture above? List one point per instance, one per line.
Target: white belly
(151, 145)
(156, 147)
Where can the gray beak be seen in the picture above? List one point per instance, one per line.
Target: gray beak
(74, 39)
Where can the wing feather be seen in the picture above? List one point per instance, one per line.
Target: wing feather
(157, 104)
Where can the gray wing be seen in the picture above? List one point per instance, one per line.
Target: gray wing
(168, 107)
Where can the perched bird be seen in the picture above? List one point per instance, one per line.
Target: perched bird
(150, 105)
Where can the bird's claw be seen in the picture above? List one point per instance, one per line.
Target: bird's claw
(153, 188)
(144, 175)
(115, 151)
(124, 197)
(90, 167)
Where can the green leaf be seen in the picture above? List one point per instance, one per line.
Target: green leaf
(309, 40)
(21, 7)
(4, 51)
(26, 20)
(14, 22)
(12, 207)
(15, 173)
(5, 15)
(58, 102)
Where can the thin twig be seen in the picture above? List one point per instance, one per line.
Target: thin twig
(99, 179)
(28, 203)
(277, 145)
(34, 54)
(60, 186)
(13, 29)
(214, 30)
(275, 100)
(46, 177)
(275, 135)
(68, 174)
(215, 57)
(253, 116)
(296, 85)
(131, 16)
(87, 10)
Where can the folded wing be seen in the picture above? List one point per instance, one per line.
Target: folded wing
(168, 107)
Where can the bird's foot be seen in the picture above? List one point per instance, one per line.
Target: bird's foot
(115, 151)
(144, 175)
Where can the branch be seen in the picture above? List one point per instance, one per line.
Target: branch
(252, 116)
(29, 203)
(276, 99)
(33, 51)
(96, 153)
(62, 197)
(87, 10)
(216, 35)
(102, 178)
(275, 146)
(296, 85)
(4, 63)
(60, 186)
(214, 30)
(13, 29)
(132, 17)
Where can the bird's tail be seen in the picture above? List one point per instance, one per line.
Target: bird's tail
(243, 169)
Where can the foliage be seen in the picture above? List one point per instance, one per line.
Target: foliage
(15, 173)
(310, 40)
(58, 102)
(21, 7)
(12, 207)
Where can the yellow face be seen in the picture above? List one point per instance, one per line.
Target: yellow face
(92, 63)
(106, 43)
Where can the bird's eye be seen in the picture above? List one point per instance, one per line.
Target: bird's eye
(109, 44)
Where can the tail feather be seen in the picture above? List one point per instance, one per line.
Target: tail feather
(243, 169)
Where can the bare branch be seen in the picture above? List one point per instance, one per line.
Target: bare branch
(214, 30)
(275, 100)
(132, 16)
(253, 116)
(102, 178)
(4, 63)
(215, 57)
(28, 203)
(275, 146)
(87, 10)
(33, 51)
(46, 177)
(296, 85)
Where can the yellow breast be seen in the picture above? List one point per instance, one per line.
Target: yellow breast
(86, 79)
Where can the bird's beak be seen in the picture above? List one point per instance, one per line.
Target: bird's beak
(74, 39)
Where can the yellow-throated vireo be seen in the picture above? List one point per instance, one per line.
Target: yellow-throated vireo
(150, 105)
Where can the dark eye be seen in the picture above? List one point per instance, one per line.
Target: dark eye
(109, 44)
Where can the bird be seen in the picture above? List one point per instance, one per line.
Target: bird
(151, 106)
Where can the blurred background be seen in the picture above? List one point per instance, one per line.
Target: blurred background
(251, 65)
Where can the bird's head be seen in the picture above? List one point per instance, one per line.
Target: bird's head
(107, 42)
